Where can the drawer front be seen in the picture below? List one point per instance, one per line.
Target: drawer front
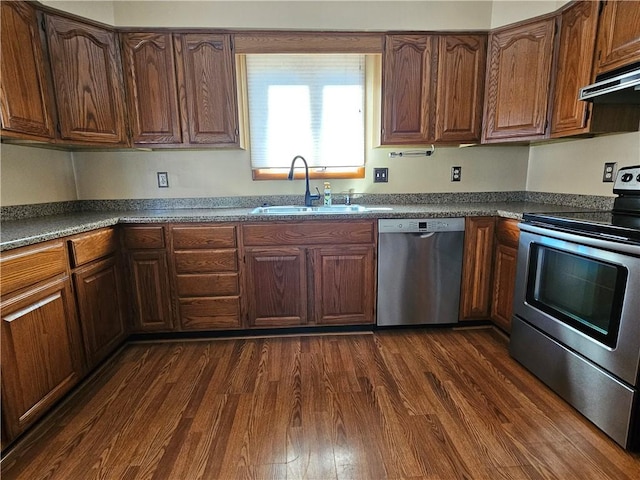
(210, 313)
(92, 246)
(309, 233)
(206, 261)
(507, 232)
(27, 266)
(186, 238)
(143, 237)
(208, 285)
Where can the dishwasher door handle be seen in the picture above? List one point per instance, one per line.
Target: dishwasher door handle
(427, 235)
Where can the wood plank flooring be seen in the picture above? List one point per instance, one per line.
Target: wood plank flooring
(424, 404)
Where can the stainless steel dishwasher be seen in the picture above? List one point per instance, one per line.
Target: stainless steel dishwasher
(419, 270)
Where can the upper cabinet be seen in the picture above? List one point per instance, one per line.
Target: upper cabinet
(152, 99)
(460, 87)
(85, 66)
(24, 92)
(432, 88)
(206, 76)
(518, 78)
(618, 36)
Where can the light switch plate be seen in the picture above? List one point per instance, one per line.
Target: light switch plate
(380, 175)
(163, 180)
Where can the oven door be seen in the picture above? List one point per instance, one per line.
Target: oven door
(582, 292)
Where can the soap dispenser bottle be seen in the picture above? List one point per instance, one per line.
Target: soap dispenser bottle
(327, 193)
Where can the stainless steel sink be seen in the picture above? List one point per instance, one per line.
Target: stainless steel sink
(301, 210)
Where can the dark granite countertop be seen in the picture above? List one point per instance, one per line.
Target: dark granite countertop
(19, 233)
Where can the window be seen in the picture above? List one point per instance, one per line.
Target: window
(310, 105)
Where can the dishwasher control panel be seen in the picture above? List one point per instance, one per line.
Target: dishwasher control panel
(419, 225)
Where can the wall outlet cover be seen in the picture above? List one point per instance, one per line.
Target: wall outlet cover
(456, 174)
(609, 172)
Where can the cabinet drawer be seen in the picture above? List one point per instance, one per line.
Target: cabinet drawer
(143, 237)
(208, 285)
(30, 265)
(207, 313)
(206, 261)
(204, 237)
(92, 246)
(308, 233)
(507, 232)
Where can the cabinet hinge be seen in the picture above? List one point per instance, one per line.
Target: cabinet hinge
(43, 25)
(602, 4)
(587, 114)
(58, 129)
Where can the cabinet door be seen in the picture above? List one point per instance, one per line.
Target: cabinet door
(575, 59)
(276, 286)
(476, 268)
(518, 77)
(407, 89)
(461, 71)
(618, 35)
(504, 285)
(152, 95)
(101, 307)
(343, 284)
(151, 300)
(87, 80)
(42, 355)
(206, 75)
(24, 92)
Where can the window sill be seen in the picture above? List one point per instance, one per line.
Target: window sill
(314, 173)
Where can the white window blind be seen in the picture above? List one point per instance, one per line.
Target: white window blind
(310, 105)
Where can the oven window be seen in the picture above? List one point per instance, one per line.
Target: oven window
(583, 292)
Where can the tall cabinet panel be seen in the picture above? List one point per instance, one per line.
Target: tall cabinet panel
(407, 89)
(85, 65)
(618, 35)
(152, 98)
(207, 81)
(24, 92)
(518, 78)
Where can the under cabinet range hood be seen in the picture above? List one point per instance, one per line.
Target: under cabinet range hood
(621, 88)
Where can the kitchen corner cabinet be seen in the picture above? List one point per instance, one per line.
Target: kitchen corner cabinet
(407, 89)
(87, 79)
(476, 291)
(97, 280)
(309, 273)
(206, 76)
(147, 270)
(460, 88)
(42, 354)
(506, 256)
(618, 43)
(518, 81)
(152, 92)
(207, 277)
(25, 95)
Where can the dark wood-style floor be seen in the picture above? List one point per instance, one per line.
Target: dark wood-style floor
(431, 404)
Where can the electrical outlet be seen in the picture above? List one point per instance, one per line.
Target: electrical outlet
(380, 175)
(609, 172)
(456, 174)
(163, 180)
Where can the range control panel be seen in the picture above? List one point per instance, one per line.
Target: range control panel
(420, 225)
(628, 181)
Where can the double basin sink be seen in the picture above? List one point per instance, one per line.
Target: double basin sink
(319, 210)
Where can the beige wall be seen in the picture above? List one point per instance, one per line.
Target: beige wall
(98, 10)
(504, 12)
(35, 175)
(575, 166)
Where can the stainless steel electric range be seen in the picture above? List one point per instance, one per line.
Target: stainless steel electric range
(576, 321)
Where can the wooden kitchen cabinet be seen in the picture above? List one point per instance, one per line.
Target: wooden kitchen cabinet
(147, 271)
(310, 273)
(206, 75)
(27, 106)
(518, 81)
(152, 92)
(506, 257)
(618, 43)
(460, 88)
(42, 354)
(476, 291)
(87, 79)
(408, 89)
(98, 285)
(207, 276)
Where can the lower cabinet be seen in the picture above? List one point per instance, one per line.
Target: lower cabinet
(309, 273)
(504, 272)
(475, 300)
